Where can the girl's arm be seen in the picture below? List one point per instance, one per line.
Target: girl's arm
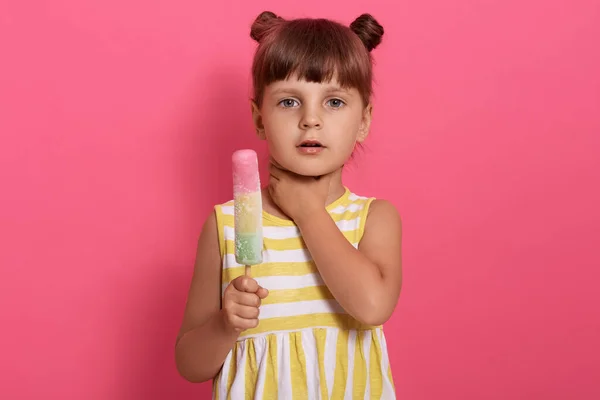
(366, 282)
(204, 339)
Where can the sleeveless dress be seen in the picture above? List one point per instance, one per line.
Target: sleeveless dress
(305, 345)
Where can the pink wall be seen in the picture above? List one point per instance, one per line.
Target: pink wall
(118, 119)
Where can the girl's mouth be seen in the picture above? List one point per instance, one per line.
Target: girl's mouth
(310, 147)
(311, 143)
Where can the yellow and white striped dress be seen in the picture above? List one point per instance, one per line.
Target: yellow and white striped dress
(305, 346)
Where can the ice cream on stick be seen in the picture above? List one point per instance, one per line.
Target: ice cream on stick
(247, 209)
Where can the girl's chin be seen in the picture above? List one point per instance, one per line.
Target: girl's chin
(311, 169)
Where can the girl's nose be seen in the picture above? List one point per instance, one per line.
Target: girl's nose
(310, 119)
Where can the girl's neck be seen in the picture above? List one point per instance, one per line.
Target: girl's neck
(336, 190)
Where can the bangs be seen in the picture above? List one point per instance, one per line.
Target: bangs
(315, 50)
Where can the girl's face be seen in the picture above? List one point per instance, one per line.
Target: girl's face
(311, 128)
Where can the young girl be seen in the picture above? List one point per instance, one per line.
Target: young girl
(307, 324)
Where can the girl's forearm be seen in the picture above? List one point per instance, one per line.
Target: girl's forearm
(200, 352)
(355, 281)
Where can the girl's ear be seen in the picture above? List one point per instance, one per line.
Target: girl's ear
(365, 124)
(257, 119)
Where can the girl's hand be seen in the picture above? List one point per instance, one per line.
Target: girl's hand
(298, 196)
(241, 300)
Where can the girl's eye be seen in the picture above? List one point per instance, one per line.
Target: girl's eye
(335, 103)
(288, 103)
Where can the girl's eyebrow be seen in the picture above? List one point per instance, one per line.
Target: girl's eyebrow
(335, 88)
(329, 90)
(284, 91)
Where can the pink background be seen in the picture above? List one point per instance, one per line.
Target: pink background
(118, 119)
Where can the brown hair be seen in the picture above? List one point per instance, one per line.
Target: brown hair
(316, 50)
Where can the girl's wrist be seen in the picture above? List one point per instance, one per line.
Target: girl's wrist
(310, 215)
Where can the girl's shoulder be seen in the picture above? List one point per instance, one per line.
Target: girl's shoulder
(383, 218)
(364, 214)
(383, 209)
(376, 211)
(374, 204)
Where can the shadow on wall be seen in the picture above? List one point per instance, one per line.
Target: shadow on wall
(216, 121)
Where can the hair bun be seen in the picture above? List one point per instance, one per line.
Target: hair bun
(263, 24)
(368, 30)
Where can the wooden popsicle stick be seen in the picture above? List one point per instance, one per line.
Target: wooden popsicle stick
(247, 270)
